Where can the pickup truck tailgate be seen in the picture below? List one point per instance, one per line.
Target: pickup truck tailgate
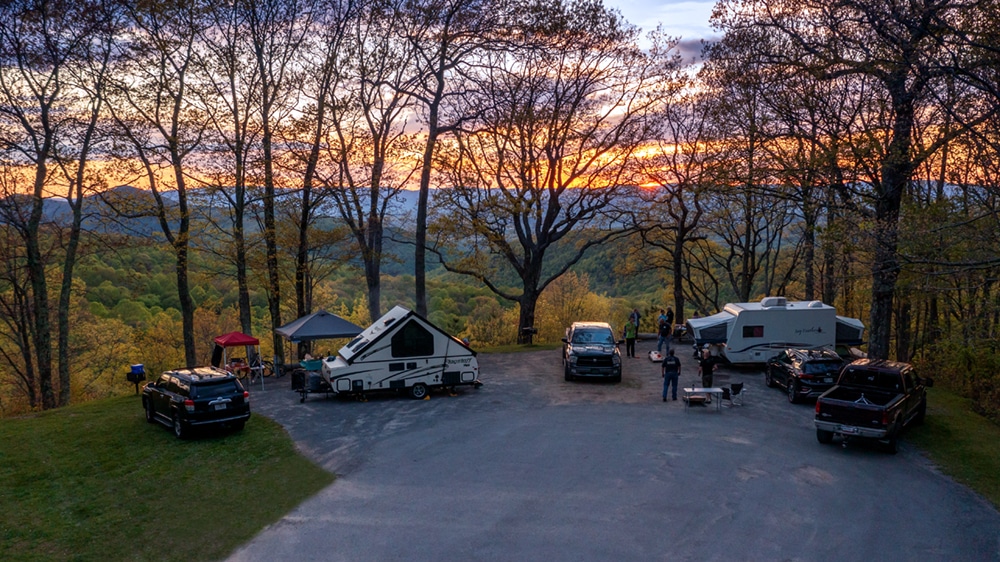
(850, 413)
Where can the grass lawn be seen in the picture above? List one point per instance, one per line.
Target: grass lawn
(965, 445)
(96, 482)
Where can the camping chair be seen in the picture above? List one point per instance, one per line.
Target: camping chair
(734, 394)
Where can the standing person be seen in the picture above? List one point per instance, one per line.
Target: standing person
(634, 318)
(671, 374)
(664, 327)
(629, 334)
(708, 365)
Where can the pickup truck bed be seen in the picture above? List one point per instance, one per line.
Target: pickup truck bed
(873, 399)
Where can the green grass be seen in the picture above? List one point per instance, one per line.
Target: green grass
(96, 482)
(965, 445)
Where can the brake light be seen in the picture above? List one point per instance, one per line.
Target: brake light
(885, 417)
(817, 407)
(189, 405)
(246, 396)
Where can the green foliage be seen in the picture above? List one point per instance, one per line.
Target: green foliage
(96, 482)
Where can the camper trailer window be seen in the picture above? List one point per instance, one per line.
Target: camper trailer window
(753, 331)
(412, 340)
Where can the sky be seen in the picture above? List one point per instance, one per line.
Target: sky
(686, 19)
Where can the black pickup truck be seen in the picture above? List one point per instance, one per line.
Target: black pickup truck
(873, 399)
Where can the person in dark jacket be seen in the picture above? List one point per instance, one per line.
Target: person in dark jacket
(671, 374)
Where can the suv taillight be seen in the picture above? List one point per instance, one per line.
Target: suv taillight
(189, 405)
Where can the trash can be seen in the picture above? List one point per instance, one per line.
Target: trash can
(136, 374)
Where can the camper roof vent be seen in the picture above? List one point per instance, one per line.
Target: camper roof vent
(773, 302)
(815, 304)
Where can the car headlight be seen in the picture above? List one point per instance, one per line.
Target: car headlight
(616, 360)
(572, 359)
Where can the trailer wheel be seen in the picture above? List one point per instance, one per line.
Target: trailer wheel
(418, 391)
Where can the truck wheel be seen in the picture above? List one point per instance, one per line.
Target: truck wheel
(568, 377)
(793, 391)
(418, 391)
(921, 412)
(616, 379)
(891, 445)
(768, 381)
(150, 415)
(823, 436)
(180, 431)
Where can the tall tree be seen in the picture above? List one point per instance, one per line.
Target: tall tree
(895, 47)
(47, 80)
(276, 31)
(228, 94)
(152, 106)
(446, 34)
(544, 165)
(369, 159)
(680, 164)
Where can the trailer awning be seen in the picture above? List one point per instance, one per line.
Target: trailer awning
(710, 329)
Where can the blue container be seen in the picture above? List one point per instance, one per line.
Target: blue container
(138, 369)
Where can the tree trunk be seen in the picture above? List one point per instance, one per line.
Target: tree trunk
(896, 169)
(420, 251)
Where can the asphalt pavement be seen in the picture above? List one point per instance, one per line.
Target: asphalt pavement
(530, 467)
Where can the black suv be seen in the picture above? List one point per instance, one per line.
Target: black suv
(189, 398)
(803, 372)
(590, 350)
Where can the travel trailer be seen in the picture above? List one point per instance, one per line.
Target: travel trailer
(401, 351)
(753, 332)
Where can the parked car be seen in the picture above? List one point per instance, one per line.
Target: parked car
(803, 373)
(184, 399)
(873, 399)
(590, 350)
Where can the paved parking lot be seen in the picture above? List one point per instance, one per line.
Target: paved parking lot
(530, 467)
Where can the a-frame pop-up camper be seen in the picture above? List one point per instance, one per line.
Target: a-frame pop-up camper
(401, 351)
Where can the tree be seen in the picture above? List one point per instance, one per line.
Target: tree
(276, 33)
(543, 169)
(152, 106)
(53, 58)
(896, 49)
(680, 164)
(368, 159)
(446, 35)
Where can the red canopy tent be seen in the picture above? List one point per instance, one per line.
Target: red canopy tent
(235, 339)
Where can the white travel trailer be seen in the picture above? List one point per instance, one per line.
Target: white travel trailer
(401, 351)
(753, 332)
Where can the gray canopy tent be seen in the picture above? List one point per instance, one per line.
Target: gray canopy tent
(320, 325)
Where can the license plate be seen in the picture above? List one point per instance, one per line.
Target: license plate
(828, 379)
(220, 406)
(849, 430)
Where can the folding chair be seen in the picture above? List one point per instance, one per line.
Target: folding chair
(735, 394)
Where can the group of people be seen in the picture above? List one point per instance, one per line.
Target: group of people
(671, 370)
(671, 365)
(664, 330)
